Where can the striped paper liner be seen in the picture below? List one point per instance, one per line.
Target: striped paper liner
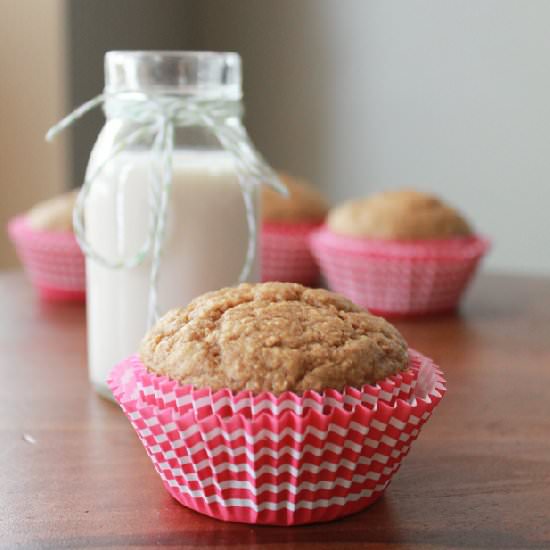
(160, 391)
(398, 278)
(297, 462)
(285, 253)
(52, 260)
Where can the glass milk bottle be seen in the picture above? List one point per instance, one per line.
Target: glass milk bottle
(169, 207)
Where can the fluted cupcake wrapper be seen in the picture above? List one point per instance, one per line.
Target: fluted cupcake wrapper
(52, 260)
(277, 466)
(398, 278)
(286, 255)
(160, 391)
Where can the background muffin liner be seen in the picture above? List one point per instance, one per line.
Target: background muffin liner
(52, 260)
(279, 460)
(285, 253)
(398, 277)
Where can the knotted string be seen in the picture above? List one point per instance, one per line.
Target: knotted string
(156, 118)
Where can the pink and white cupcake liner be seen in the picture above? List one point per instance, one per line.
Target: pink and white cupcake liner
(398, 278)
(161, 392)
(285, 253)
(276, 460)
(52, 260)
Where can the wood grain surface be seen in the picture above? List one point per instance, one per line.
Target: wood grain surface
(74, 475)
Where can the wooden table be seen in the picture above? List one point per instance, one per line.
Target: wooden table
(73, 474)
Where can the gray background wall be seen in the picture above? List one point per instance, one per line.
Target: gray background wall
(445, 95)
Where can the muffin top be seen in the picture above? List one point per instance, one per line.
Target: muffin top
(54, 214)
(273, 337)
(304, 204)
(404, 214)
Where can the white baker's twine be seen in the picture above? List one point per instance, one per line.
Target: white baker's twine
(156, 117)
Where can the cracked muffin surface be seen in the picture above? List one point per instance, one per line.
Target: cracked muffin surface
(273, 337)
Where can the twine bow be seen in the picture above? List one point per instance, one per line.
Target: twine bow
(156, 118)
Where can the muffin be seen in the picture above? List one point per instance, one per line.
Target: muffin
(287, 223)
(274, 403)
(398, 215)
(273, 337)
(48, 250)
(398, 253)
(54, 214)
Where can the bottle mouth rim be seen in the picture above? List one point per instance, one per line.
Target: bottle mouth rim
(174, 53)
(209, 74)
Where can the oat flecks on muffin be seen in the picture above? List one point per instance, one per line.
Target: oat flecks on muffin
(304, 203)
(273, 337)
(54, 214)
(404, 214)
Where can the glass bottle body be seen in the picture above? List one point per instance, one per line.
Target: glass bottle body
(204, 246)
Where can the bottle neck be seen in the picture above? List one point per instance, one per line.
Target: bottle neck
(180, 110)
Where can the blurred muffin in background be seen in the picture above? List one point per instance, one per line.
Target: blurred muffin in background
(287, 223)
(48, 250)
(304, 204)
(398, 215)
(401, 252)
(54, 214)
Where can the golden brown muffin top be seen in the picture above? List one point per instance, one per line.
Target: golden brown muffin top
(54, 214)
(404, 214)
(273, 337)
(304, 204)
